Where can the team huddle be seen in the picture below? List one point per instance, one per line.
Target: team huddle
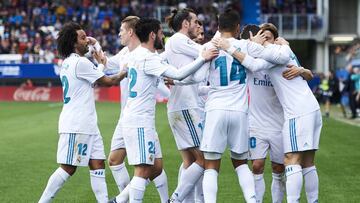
(249, 95)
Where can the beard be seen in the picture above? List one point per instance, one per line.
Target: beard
(158, 44)
(82, 49)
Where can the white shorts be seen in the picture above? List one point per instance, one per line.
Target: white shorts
(262, 142)
(77, 149)
(141, 145)
(225, 128)
(302, 133)
(187, 126)
(117, 142)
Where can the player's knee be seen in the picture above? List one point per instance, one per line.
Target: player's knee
(69, 169)
(116, 158)
(277, 168)
(292, 158)
(96, 164)
(258, 167)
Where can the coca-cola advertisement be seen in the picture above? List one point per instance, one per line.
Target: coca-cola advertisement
(55, 94)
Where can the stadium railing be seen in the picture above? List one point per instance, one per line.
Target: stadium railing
(297, 26)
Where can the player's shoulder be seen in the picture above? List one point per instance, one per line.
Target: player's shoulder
(179, 39)
(123, 51)
(208, 45)
(83, 61)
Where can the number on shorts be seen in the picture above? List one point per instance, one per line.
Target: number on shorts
(132, 77)
(252, 142)
(151, 147)
(82, 149)
(65, 84)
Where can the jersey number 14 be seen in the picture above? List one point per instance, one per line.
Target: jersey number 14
(237, 71)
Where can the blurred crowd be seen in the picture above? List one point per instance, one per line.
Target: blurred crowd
(30, 27)
(342, 86)
(288, 6)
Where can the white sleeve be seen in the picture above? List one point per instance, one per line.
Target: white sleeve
(199, 76)
(187, 47)
(155, 65)
(183, 72)
(256, 64)
(277, 54)
(254, 49)
(87, 70)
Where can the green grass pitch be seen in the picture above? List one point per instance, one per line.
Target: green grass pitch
(28, 142)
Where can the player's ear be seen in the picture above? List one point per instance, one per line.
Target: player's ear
(153, 35)
(185, 23)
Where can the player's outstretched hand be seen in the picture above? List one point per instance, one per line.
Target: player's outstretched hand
(168, 81)
(281, 41)
(210, 54)
(100, 57)
(220, 43)
(292, 72)
(258, 38)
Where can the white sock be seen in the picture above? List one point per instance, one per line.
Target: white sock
(161, 185)
(98, 184)
(120, 175)
(277, 188)
(259, 187)
(210, 185)
(137, 189)
(55, 182)
(199, 193)
(247, 183)
(190, 197)
(123, 197)
(294, 183)
(189, 177)
(311, 184)
(181, 168)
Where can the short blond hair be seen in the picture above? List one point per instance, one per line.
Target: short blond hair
(130, 21)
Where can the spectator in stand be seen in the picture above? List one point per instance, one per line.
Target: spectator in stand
(39, 21)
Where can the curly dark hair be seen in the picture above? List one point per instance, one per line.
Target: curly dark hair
(67, 38)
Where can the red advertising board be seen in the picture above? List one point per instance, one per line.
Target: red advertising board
(55, 94)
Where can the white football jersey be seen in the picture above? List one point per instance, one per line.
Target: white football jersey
(180, 50)
(117, 63)
(227, 78)
(295, 96)
(78, 114)
(265, 111)
(145, 68)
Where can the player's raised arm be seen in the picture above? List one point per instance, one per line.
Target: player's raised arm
(183, 72)
(249, 62)
(107, 80)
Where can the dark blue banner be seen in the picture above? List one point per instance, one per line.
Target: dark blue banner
(39, 71)
(250, 12)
